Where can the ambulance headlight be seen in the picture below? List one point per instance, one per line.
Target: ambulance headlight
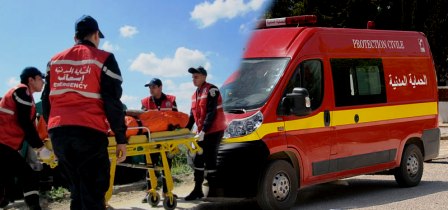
(242, 127)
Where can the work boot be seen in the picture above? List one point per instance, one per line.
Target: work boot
(195, 195)
(32, 201)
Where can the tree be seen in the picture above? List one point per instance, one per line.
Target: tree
(427, 16)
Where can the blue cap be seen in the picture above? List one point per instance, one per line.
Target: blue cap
(86, 25)
(154, 81)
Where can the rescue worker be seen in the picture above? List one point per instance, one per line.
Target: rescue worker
(157, 101)
(208, 114)
(83, 89)
(17, 117)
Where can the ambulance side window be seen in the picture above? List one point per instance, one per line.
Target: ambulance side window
(358, 81)
(308, 75)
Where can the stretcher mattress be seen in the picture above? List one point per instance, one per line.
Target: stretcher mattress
(156, 136)
(138, 139)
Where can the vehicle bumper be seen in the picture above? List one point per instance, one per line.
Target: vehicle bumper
(431, 143)
(239, 167)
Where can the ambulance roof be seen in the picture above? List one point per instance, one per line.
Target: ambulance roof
(335, 42)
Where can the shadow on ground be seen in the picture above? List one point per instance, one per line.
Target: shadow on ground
(346, 194)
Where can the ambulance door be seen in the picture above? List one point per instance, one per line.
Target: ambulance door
(361, 135)
(310, 135)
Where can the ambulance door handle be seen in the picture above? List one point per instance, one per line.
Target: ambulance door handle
(327, 118)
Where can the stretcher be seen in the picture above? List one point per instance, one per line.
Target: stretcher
(165, 143)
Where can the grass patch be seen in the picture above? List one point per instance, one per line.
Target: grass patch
(57, 194)
(180, 163)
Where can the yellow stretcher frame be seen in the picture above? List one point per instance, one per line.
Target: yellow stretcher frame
(164, 143)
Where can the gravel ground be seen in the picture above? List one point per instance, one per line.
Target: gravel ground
(362, 192)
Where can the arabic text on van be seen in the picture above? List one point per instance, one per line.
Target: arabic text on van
(411, 80)
(377, 44)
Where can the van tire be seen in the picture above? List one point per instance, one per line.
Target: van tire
(410, 172)
(278, 175)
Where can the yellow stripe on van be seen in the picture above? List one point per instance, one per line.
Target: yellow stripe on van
(344, 117)
(316, 121)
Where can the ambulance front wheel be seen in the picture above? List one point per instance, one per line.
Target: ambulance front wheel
(169, 204)
(410, 172)
(278, 186)
(153, 199)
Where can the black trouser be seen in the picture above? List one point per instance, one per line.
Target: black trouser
(14, 165)
(83, 158)
(155, 158)
(205, 163)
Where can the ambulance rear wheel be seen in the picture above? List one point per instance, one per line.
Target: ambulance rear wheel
(278, 186)
(410, 172)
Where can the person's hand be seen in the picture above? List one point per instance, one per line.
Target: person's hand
(43, 153)
(121, 152)
(200, 136)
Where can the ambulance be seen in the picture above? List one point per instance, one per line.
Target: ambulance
(310, 105)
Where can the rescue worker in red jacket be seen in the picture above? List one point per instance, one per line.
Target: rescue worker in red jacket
(157, 101)
(17, 117)
(208, 114)
(83, 89)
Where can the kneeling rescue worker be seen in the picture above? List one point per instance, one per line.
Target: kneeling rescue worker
(208, 114)
(17, 116)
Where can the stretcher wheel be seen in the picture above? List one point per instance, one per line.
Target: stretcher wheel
(153, 199)
(169, 204)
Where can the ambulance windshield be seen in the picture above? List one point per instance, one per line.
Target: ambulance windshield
(250, 86)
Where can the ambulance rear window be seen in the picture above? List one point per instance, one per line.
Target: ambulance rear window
(358, 81)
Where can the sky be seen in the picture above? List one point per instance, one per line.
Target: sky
(149, 38)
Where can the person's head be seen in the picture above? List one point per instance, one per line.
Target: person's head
(86, 28)
(33, 78)
(199, 75)
(155, 87)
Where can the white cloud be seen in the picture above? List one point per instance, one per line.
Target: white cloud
(246, 28)
(243, 28)
(206, 13)
(150, 64)
(110, 47)
(182, 91)
(132, 102)
(128, 31)
(12, 81)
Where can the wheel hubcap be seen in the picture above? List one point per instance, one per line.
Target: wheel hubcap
(412, 165)
(281, 186)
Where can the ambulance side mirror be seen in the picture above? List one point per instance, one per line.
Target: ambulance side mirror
(297, 103)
